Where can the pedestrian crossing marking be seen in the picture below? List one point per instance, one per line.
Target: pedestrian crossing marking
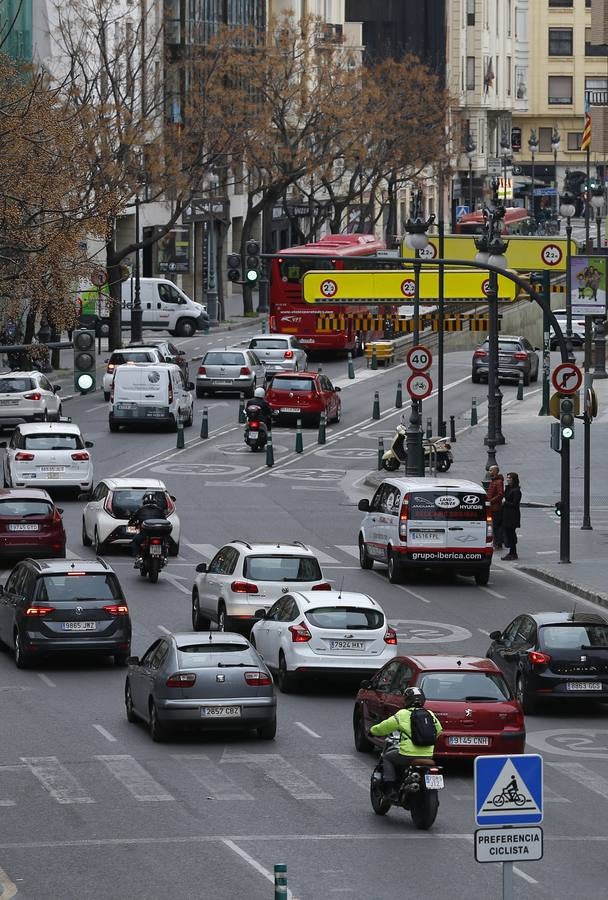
(55, 778)
(214, 779)
(581, 775)
(324, 558)
(135, 778)
(349, 549)
(207, 550)
(281, 772)
(350, 767)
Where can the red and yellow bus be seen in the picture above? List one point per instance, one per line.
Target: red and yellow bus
(516, 221)
(290, 314)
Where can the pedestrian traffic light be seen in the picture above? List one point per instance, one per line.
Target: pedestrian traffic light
(556, 442)
(235, 265)
(252, 268)
(83, 341)
(566, 418)
(558, 509)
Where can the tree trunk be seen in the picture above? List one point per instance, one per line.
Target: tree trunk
(390, 235)
(113, 268)
(30, 324)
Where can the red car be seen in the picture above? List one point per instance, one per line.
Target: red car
(304, 395)
(30, 525)
(468, 694)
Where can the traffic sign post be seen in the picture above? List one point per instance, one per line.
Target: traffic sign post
(418, 386)
(567, 378)
(419, 358)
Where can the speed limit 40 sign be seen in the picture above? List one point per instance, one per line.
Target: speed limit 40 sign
(419, 358)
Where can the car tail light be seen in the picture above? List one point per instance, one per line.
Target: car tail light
(257, 679)
(254, 424)
(111, 367)
(322, 586)
(480, 354)
(117, 609)
(170, 505)
(23, 457)
(202, 370)
(403, 519)
(56, 516)
(243, 587)
(288, 354)
(300, 633)
(170, 392)
(37, 609)
(489, 530)
(245, 370)
(107, 505)
(538, 659)
(181, 680)
(520, 355)
(34, 396)
(391, 635)
(81, 456)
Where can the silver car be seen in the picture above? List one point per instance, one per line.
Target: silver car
(232, 369)
(208, 680)
(279, 352)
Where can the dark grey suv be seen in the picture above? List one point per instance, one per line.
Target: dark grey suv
(515, 354)
(64, 606)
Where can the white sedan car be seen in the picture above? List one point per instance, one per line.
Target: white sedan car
(28, 397)
(47, 455)
(332, 632)
(111, 505)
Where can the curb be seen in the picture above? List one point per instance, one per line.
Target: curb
(582, 592)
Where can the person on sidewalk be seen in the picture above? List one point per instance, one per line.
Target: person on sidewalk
(496, 490)
(511, 519)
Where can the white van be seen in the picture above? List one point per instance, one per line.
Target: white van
(155, 393)
(164, 307)
(427, 523)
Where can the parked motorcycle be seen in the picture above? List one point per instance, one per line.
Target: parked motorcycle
(437, 452)
(417, 790)
(256, 431)
(154, 547)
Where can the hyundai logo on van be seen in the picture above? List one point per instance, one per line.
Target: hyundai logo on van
(470, 499)
(447, 501)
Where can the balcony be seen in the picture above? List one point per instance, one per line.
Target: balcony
(598, 100)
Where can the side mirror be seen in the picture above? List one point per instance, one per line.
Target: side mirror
(172, 497)
(132, 660)
(337, 390)
(59, 510)
(189, 385)
(495, 635)
(363, 505)
(56, 388)
(86, 495)
(202, 567)
(107, 360)
(365, 685)
(259, 614)
(89, 444)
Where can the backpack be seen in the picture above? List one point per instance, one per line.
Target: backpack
(422, 726)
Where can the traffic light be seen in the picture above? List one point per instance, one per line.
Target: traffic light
(558, 509)
(566, 418)
(235, 265)
(83, 341)
(252, 269)
(556, 442)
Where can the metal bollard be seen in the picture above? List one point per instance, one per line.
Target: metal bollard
(280, 881)
(269, 451)
(242, 416)
(319, 369)
(452, 430)
(322, 427)
(429, 427)
(264, 323)
(376, 407)
(205, 423)
(374, 357)
(299, 440)
(399, 396)
(380, 452)
(473, 410)
(180, 435)
(442, 429)
(520, 387)
(351, 367)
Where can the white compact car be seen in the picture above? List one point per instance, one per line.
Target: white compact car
(48, 454)
(111, 505)
(144, 355)
(335, 632)
(244, 577)
(28, 397)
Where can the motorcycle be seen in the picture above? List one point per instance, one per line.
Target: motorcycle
(437, 452)
(417, 790)
(256, 431)
(154, 547)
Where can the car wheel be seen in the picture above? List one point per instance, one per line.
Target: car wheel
(250, 391)
(482, 576)
(222, 618)
(284, 679)
(99, 545)
(190, 419)
(113, 426)
(174, 550)
(200, 393)
(130, 711)
(86, 540)
(394, 568)
(22, 659)
(199, 622)
(365, 560)
(120, 660)
(106, 396)
(158, 732)
(475, 378)
(186, 328)
(267, 732)
(338, 415)
(528, 703)
(362, 742)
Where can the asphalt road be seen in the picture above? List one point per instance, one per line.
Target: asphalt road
(91, 808)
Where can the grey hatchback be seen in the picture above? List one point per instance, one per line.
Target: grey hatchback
(229, 370)
(209, 680)
(515, 354)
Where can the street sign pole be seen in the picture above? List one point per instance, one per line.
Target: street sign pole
(564, 522)
(587, 526)
(507, 881)
(544, 410)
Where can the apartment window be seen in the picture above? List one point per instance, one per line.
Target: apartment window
(594, 49)
(596, 83)
(470, 73)
(560, 42)
(470, 12)
(588, 4)
(560, 89)
(521, 82)
(509, 76)
(509, 16)
(574, 140)
(560, 3)
(544, 140)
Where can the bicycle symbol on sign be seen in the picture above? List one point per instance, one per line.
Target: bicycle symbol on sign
(509, 794)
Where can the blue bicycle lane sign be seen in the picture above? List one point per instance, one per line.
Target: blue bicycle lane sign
(509, 789)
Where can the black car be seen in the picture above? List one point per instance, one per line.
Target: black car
(553, 656)
(64, 606)
(515, 355)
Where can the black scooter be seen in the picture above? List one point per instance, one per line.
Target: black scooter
(256, 430)
(416, 791)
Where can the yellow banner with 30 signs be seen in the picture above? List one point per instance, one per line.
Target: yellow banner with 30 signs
(389, 287)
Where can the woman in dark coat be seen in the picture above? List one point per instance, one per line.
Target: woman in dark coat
(510, 514)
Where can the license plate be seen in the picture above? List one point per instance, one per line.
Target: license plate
(346, 645)
(23, 527)
(155, 549)
(52, 468)
(431, 536)
(434, 782)
(79, 626)
(221, 712)
(584, 686)
(9, 402)
(290, 409)
(221, 381)
(468, 741)
(125, 406)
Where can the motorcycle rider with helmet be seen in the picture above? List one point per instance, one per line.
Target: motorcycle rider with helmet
(150, 509)
(259, 400)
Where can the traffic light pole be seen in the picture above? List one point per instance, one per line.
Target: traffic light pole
(564, 522)
(136, 312)
(587, 526)
(544, 410)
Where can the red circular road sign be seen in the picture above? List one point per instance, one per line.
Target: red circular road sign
(408, 287)
(551, 255)
(419, 358)
(419, 385)
(485, 287)
(428, 252)
(567, 378)
(329, 288)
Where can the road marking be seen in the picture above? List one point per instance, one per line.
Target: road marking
(163, 629)
(349, 549)
(56, 779)
(307, 729)
(282, 772)
(214, 778)
(352, 768)
(269, 876)
(8, 888)
(135, 778)
(71, 554)
(208, 550)
(550, 796)
(174, 581)
(103, 405)
(48, 681)
(321, 555)
(6, 803)
(584, 776)
(104, 733)
(554, 589)
(410, 592)
(483, 631)
(492, 593)
(164, 455)
(524, 876)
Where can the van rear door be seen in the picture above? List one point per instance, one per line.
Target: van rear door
(141, 391)
(446, 520)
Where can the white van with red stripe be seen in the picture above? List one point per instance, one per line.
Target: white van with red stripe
(427, 523)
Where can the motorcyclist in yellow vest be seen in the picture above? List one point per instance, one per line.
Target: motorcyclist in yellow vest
(400, 757)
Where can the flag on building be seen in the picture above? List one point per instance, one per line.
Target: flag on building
(586, 140)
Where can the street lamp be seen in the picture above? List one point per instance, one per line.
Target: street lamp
(136, 312)
(567, 209)
(555, 142)
(505, 150)
(533, 147)
(470, 148)
(597, 201)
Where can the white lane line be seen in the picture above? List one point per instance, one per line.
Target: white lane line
(208, 550)
(175, 583)
(163, 629)
(164, 455)
(483, 631)
(352, 768)
(48, 681)
(6, 803)
(412, 593)
(275, 767)
(71, 554)
(550, 796)
(584, 776)
(135, 778)
(56, 779)
(492, 593)
(103, 405)
(104, 733)
(321, 555)
(546, 552)
(349, 549)
(524, 875)
(269, 876)
(307, 729)
(216, 782)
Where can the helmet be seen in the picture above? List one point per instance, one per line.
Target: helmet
(149, 499)
(413, 697)
(259, 392)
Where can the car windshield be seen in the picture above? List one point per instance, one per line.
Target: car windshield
(126, 502)
(282, 568)
(463, 686)
(269, 344)
(292, 384)
(223, 359)
(130, 356)
(573, 636)
(81, 586)
(15, 385)
(25, 508)
(53, 442)
(350, 617)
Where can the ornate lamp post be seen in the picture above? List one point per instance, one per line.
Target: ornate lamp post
(470, 148)
(505, 151)
(555, 142)
(597, 201)
(567, 209)
(533, 147)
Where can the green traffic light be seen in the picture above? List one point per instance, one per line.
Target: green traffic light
(85, 382)
(567, 432)
(252, 276)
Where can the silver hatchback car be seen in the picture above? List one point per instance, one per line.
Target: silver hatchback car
(279, 352)
(229, 370)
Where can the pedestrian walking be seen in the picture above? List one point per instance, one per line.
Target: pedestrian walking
(496, 491)
(511, 519)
